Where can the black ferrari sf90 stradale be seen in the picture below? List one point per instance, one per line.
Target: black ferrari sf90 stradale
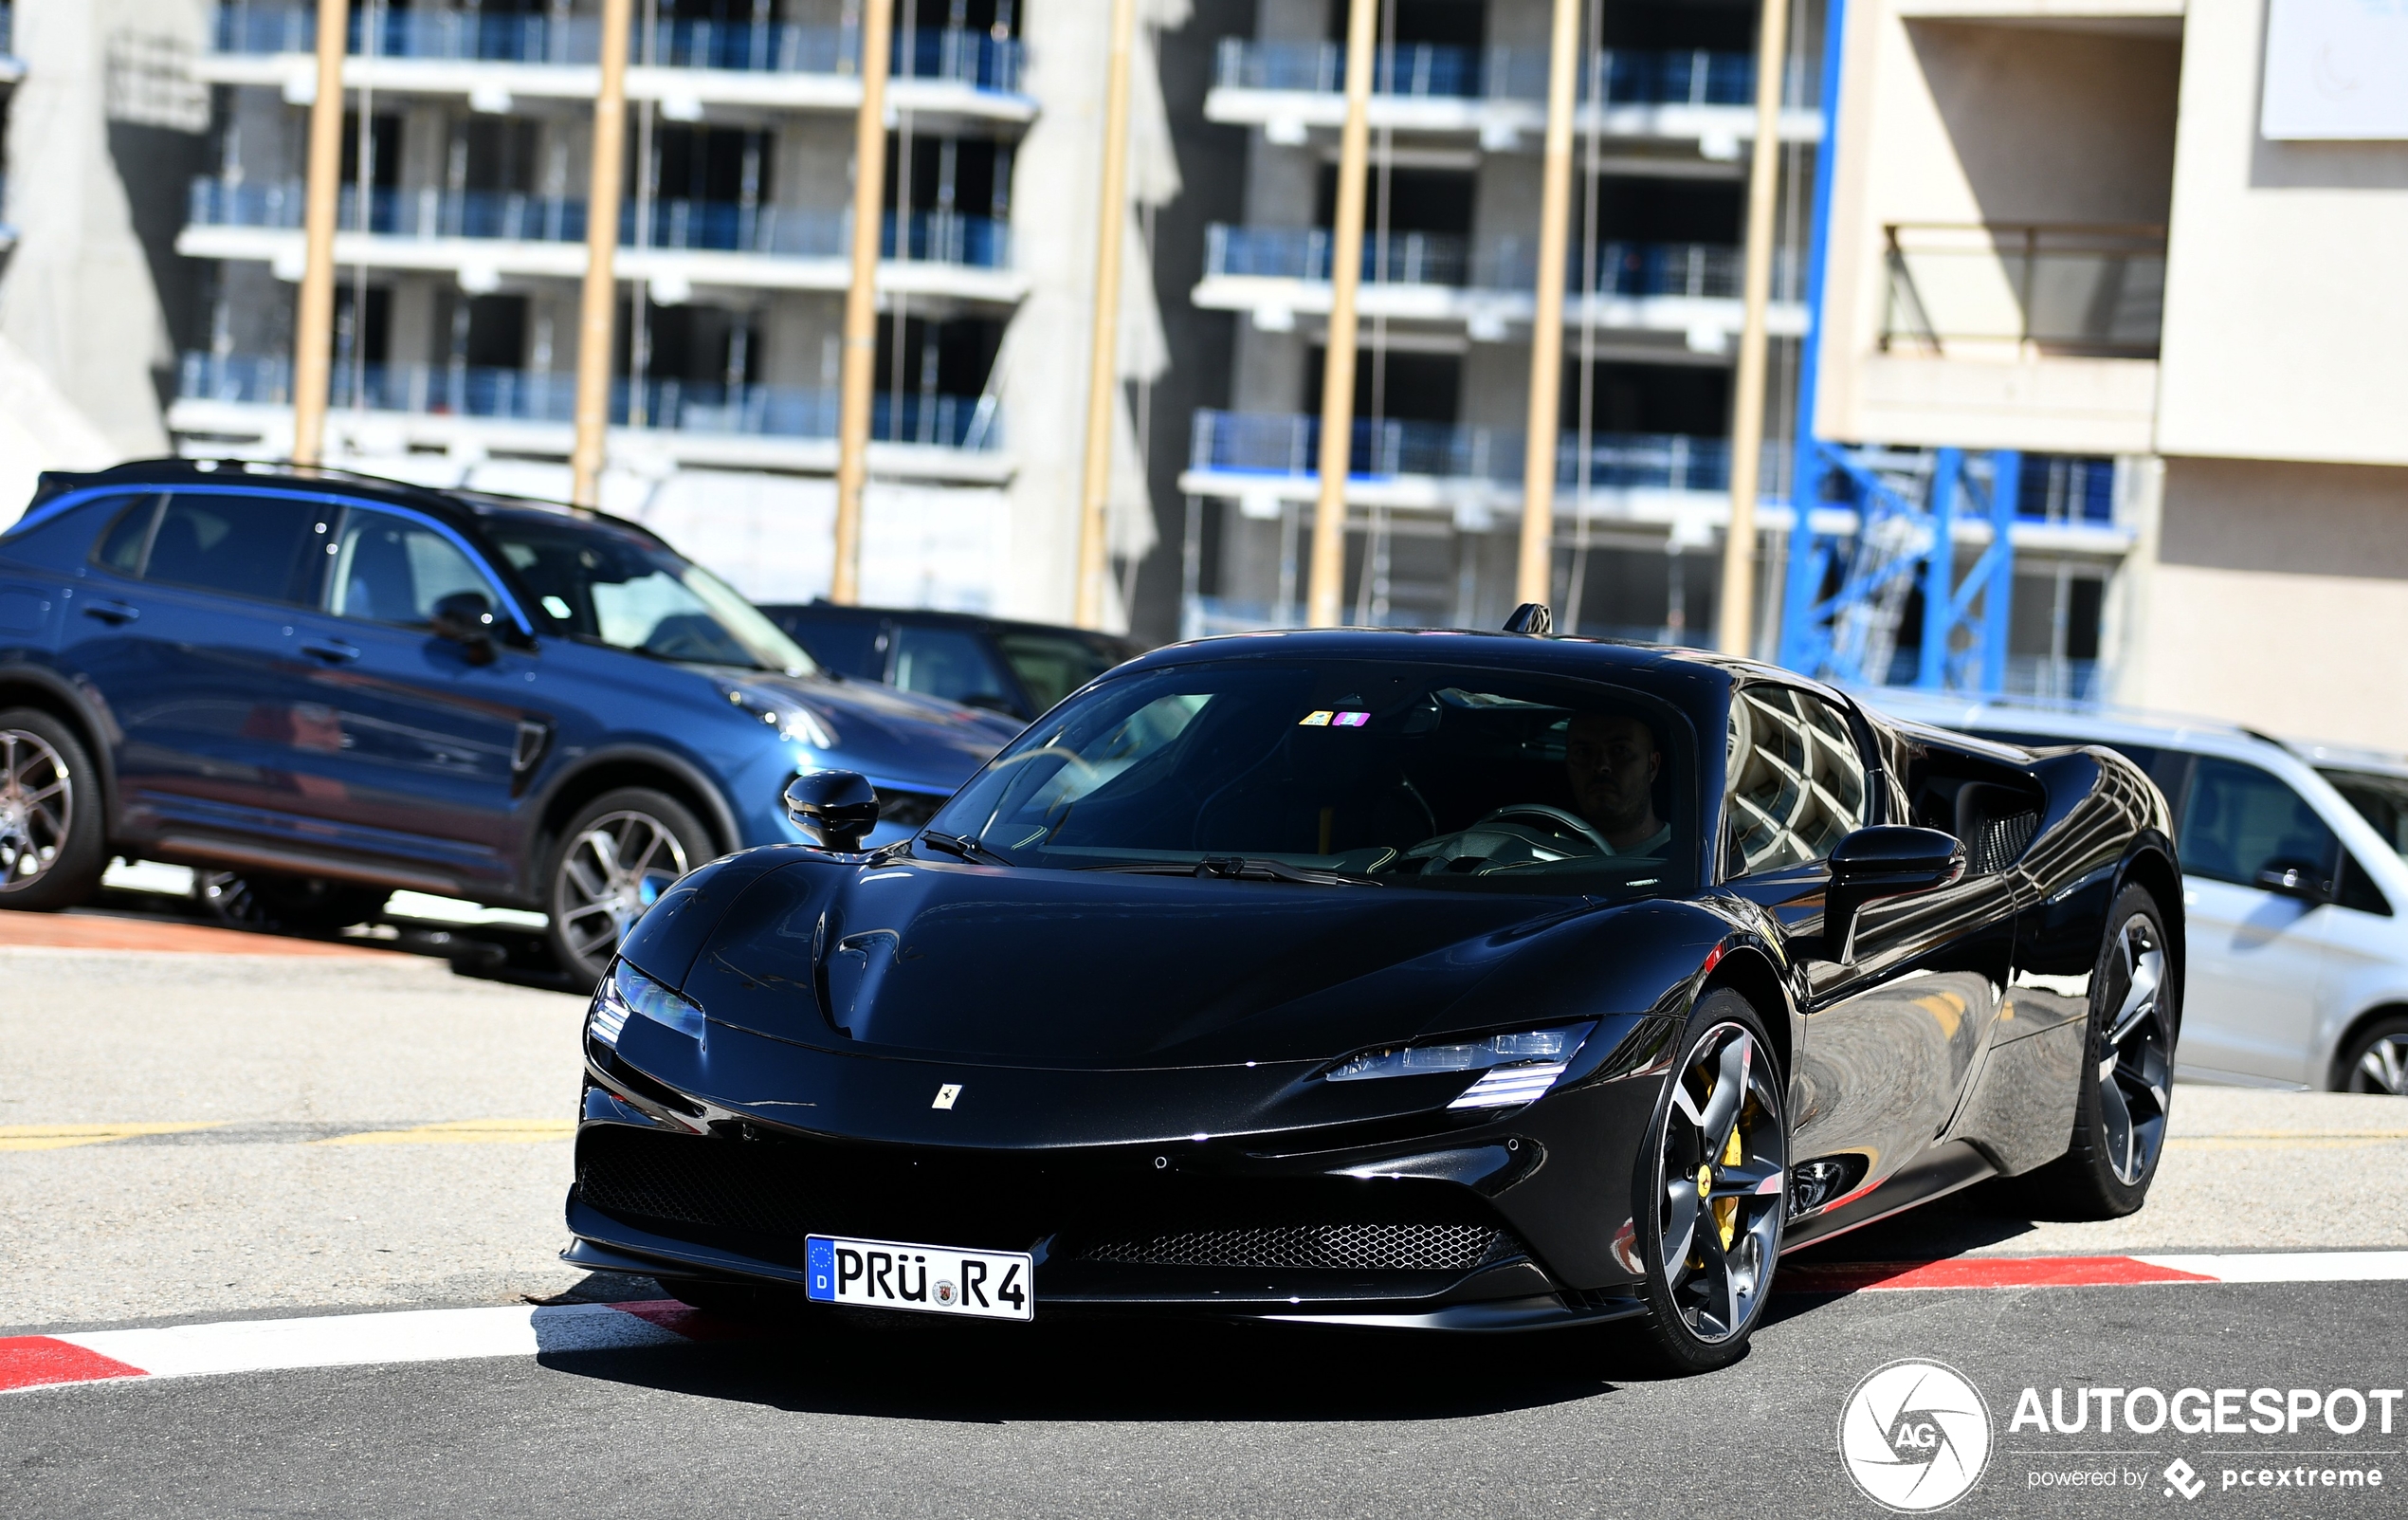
(1458, 981)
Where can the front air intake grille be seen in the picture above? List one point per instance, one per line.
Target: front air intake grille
(1316, 1247)
(762, 1195)
(720, 1185)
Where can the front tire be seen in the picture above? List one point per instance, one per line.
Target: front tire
(2128, 1071)
(1712, 1190)
(51, 850)
(616, 857)
(2377, 1061)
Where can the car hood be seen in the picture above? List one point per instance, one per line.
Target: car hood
(1108, 970)
(897, 738)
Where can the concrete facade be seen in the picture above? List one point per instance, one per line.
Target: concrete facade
(2250, 391)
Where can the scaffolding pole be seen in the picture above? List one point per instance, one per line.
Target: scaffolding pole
(314, 324)
(1533, 578)
(1103, 347)
(599, 309)
(859, 375)
(1325, 588)
(1748, 418)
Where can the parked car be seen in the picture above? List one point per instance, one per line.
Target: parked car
(1452, 981)
(332, 687)
(1018, 668)
(2293, 879)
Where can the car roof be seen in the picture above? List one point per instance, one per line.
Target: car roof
(821, 607)
(1562, 653)
(458, 506)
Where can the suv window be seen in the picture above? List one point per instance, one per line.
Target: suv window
(1795, 780)
(121, 548)
(237, 545)
(1053, 666)
(951, 663)
(847, 645)
(388, 569)
(60, 541)
(2241, 820)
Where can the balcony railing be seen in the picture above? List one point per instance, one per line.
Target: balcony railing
(537, 396)
(782, 231)
(2032, 287)
(1426, 70)
(1246, 443)
(973, 58)
(1630, 269)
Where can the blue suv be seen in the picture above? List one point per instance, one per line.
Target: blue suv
(323, 687)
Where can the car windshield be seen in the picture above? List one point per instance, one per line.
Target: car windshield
(1373, 771)
(2381, 800)
(609, 587)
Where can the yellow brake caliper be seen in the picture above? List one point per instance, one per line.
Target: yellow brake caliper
(1726, 1209)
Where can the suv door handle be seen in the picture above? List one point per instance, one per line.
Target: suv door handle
(113, 613)
(333, 650)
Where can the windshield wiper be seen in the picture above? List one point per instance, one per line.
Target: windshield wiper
(969, 850)
(1239, 868)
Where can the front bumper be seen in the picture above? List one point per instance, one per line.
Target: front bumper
(1514, 1220)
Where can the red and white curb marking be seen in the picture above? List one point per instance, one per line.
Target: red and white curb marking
(464, 1334)
(346, 1340)
(2093, 1272)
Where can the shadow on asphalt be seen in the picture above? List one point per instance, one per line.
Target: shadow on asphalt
(1120, 1368)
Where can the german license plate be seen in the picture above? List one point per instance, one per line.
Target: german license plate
(932, 1279)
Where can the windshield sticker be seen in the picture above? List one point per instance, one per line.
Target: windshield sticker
(1350, 719)
(1314, 720)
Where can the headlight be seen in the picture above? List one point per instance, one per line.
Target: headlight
(628, 992)
(1515, 1069)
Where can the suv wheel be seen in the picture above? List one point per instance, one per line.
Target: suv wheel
(613, 861)
(51, 853)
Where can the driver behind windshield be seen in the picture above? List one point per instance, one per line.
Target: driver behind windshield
(1611, 760)
(1392, 771)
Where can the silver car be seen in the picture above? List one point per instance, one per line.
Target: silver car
(2293, 883)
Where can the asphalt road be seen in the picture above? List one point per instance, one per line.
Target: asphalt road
(1133, 1418)
(192, 1137)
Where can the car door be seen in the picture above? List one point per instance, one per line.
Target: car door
(187, 630)
(430, 742)
(2256, 955)
(1893, 1031)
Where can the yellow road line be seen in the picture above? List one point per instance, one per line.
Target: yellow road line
(58, 1137)
(464, 1132)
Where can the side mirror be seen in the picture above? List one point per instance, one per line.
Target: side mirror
(1887, 861)
(836, 808)
(465, 618)
(2295, 878)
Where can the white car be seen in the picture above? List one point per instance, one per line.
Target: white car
(2293, 883)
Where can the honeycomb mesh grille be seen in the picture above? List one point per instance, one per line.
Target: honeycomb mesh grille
(1324, 1247)
(695, 1184)
(2002, 841)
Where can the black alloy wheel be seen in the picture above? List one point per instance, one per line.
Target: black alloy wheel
(613, 862)
(1713, 1190)
(52, 853)
(2128, 1079)
(2377, 1061)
